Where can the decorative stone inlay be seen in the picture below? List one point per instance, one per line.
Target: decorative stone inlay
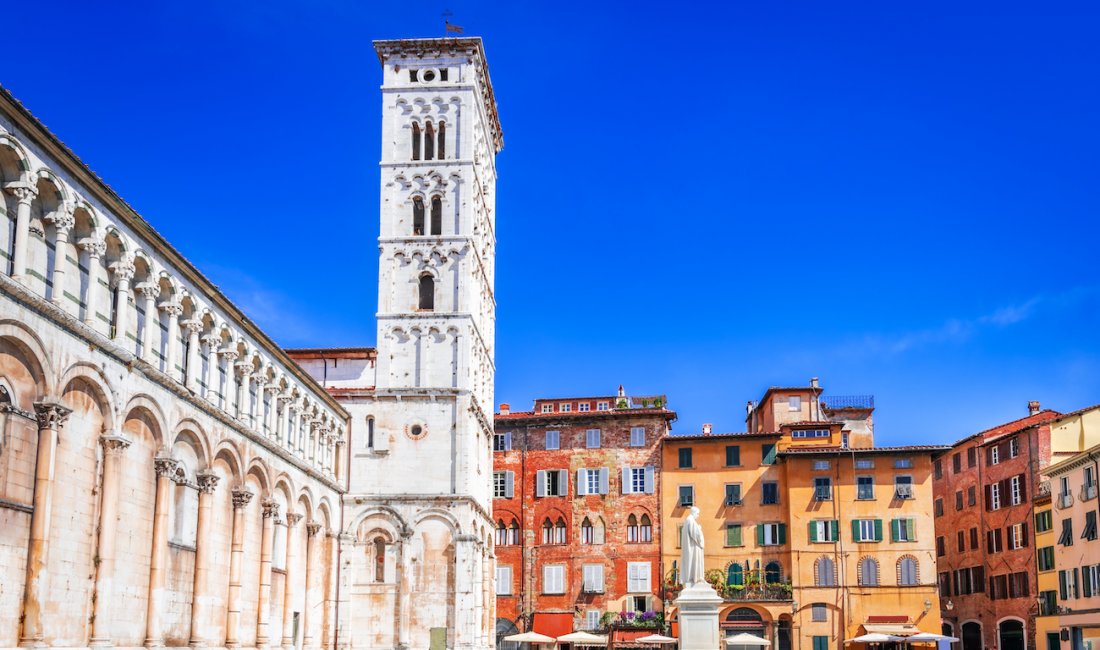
(312, 528)
(114, 444)
(207, 481)
(292, 519)
(165, 466)
(271, 507)
(51, 415)
(241, 496)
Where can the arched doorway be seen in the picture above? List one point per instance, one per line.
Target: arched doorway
(948, 629)
(972, 636)
(747, 621)
(783, 632)
(505, 628)
(1011, 633)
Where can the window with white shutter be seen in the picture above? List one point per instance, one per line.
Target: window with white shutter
(637, 577)
(637, 436)
(592, 619)
(504, 580)
(553, 579)
(592, 438)
(593, 578)
(553, 439)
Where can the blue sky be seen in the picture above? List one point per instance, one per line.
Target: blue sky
(696, 199)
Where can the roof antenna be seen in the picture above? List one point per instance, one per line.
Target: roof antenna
(448, 27)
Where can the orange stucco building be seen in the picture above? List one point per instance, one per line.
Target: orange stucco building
(813, 535)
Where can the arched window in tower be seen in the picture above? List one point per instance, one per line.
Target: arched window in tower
(586, 531)
(437, 215)
(416, 141)
(442, 141)
(379, 559)
(501, 538)
(429, 141)
(645, 529)
(370, 433)
(427, 293)
(418, 216)
(513, 534)
(631, 528)
(547, 531)
(559, 531)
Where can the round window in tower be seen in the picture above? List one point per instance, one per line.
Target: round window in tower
(416, 431)
(429, 75)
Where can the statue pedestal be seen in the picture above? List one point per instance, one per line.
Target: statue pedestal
(697, 610)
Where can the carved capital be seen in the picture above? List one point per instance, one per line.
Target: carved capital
(23, 193)
(192, 325)
(62, 219)
(171, 307)
(244, 368)
(51, 415)
(271, 507)
(148, 290)
(271, 387)
(124, 269)
(212, 341)
(312, 528)
(292, 519)
(114, 445)
(165, 466)
(207, 481)
(95, 248)
(241, 496)
(284, 397)
(229, 354)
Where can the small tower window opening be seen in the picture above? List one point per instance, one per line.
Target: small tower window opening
(429, 141)
(412, 75)
(427, 293)
(439, 154)
(645, 530)
(418, 216)
(416, 141)
(437, 215)
(443, 74)
(370, 433)
(379, 559)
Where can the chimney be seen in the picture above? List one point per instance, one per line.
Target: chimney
(813, 382)
(707, 428)
(1033, 407)
(505, 409)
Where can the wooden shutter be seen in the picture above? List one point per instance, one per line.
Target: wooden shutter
(563, 482)
(737, 535)
(540, 483)
(508, 441)
(988, 497)
(649, 479)
(910, 530)
(509, 484)
(895, 530)
(813, 531)
(1023, 534)
(603, 480)
(759, 534)
(627, 483)
(1063, 593)
(1023, 488)
(989, 541)
(582, 482)
(834, 525)
(878, 530)
(782, 537)
(855, 530)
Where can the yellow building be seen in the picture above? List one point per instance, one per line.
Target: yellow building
(813, 535)
(1046, 621)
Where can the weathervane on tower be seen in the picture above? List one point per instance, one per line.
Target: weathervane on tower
(448, 27)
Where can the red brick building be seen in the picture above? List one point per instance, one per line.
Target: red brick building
(576, 506)
(983, 489)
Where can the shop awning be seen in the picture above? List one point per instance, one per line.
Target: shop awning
(553, 624)
(893, 629)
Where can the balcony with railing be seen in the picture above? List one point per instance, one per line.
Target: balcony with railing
(758, 592)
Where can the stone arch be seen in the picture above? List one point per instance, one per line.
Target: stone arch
(47, 175)
(144, 404)
(258, 469)
(397, 524)
(32, 354)
(192, 433)
(868, 572)
(228, 453)
(441, 515)
(286, 486)
(15, 164)
(98, 379)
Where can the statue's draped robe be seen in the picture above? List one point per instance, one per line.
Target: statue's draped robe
(691, 544)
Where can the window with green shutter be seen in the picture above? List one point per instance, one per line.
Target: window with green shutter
(733, 455)
(902, 530)
(733, 534)
(767, 454)
(878, 530)
(821, 643)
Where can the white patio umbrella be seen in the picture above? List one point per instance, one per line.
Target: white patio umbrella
(875, 637)
(746, 639)
(582, 638)
(530, 637)
(929, 637)
(655, 638)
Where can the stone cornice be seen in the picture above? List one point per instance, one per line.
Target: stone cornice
(97, 341)
(90, 182)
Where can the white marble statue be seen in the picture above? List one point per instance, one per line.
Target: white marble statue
(691, 551)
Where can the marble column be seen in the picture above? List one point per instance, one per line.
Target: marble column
(263, 606)
(193, 366)
(229, 392)
(123, 271)
(289, 591)
(404, 589)
(244, 393)
(201, 594)
(113, 447)
(150, 329)
(270, 420)
(63, 221)
(51, 415)
(95, 248)
(313, 530)
(241, 498)
(211, 343)
(328, 604)
(165, 467)
(24, 194)
(282, 416)
(172, 347)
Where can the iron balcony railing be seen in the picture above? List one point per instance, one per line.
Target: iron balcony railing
(848, 401)
(758, 593)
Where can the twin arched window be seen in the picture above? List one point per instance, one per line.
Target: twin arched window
(507, 535)
(433, 141)
(639, 530)
(553, 532)
(436, 223)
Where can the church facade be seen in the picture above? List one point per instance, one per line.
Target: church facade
(170, 477)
